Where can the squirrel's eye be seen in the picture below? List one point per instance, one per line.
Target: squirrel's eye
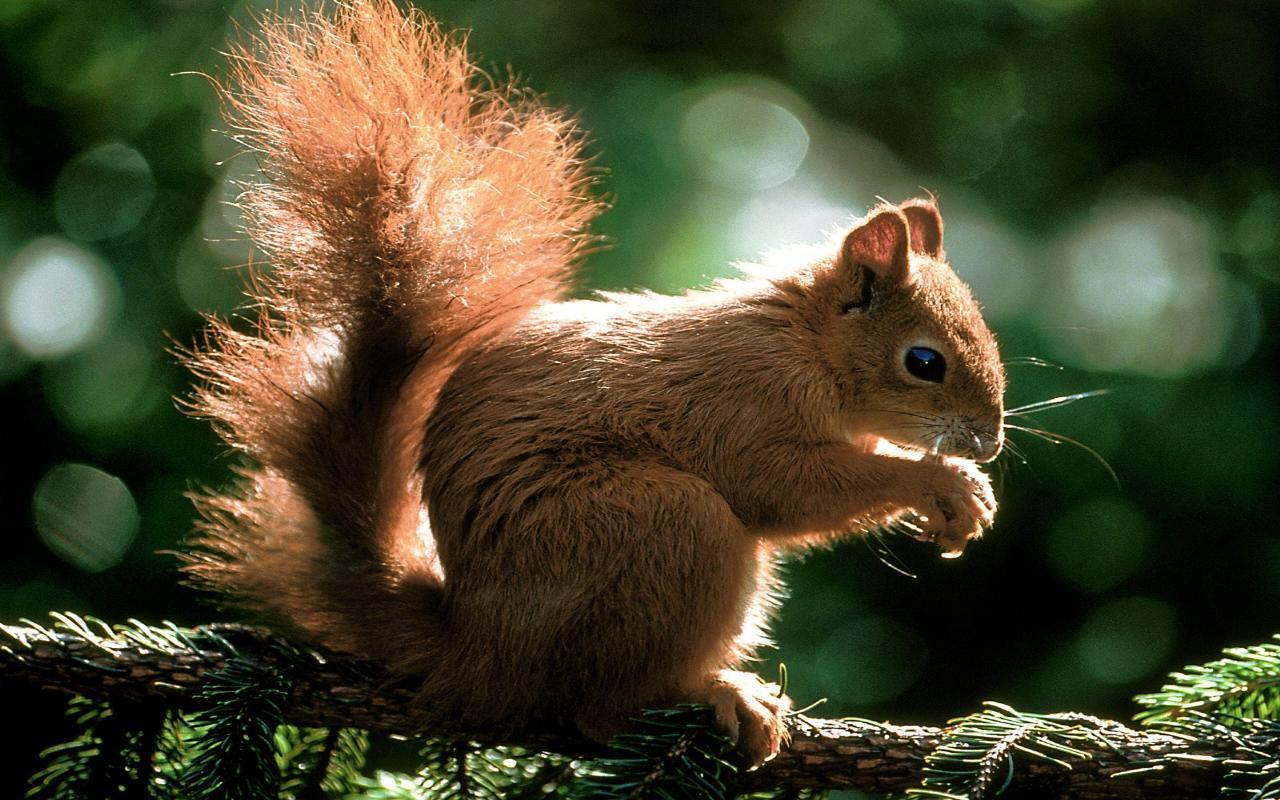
(926, 364)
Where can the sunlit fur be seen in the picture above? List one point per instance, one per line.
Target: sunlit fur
(409, 207)
(608, 483)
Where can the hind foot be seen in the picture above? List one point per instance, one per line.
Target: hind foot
(750, 712)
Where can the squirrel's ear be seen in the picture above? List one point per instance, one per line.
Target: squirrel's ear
(880, 244)
(926, 226)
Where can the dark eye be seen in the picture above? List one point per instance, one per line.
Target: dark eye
(926, 364)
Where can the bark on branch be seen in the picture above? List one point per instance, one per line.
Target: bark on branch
(146, 664)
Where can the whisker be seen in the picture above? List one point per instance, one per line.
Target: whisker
(1001, 469)
(910, 436)
(1022, 415)
(904, 413)
(1026, 420)
(881, 550)
(923, 436)
(913, 529)
(1030, 361)
(1057, 438)
(1084, 328)
(1056, 402)
(1015, 454)
(1015, 451)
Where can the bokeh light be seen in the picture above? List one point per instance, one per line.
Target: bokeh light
(798, 212)
(221, 224)
(13, 362)
(1000, 266)
(1052, 7)
(57, 297)
(1141, 291)
(741, 135)
(978, 109)
(85, 516)
(34, 598)
(1099, 543)
(1257, 235)
(103, 192)
(1126, 639)
(206, 284)
(870, 660)
(842, 41)
(108, 386)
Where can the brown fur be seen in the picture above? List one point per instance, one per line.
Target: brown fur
(608, 482)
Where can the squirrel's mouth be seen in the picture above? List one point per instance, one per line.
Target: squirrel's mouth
(866, 442)
(977, 447)
(937, 437)
(877, 444)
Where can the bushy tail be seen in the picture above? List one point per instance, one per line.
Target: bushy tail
(410, 209)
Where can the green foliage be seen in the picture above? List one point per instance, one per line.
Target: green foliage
(1232, 703)
(671, 754)
(241, 705)
(69, 773)
(977, 755)
(236, 747)
(1255, 772)
(1244, 684)
(172, 754)
(319, 762)
(243, 749)
(391, 786)
(111, 757)
(466, 771)
(1235, 702)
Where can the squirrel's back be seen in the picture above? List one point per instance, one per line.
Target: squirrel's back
(411, 209)
(691, 382)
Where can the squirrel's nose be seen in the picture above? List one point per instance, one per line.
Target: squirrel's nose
(986, 446)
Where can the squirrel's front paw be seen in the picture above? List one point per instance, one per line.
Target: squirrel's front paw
(956, 506)
(750, 712)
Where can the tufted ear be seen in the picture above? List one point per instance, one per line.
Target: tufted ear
(880, 244)
(926, 226)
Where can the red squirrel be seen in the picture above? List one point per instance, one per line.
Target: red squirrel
(545, 511)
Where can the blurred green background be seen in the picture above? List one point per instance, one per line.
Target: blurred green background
(1108, 173)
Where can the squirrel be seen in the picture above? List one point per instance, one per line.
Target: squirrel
(549, 511)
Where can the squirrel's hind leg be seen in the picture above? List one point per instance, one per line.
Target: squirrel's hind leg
(748, 710)
(611, 588)
(662, 581)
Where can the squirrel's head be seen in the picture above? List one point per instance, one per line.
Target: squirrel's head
(916, 362)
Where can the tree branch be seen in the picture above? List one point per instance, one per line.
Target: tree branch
(140, 663)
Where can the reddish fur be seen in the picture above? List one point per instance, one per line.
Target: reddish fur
(608, 482)
(409, 210)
